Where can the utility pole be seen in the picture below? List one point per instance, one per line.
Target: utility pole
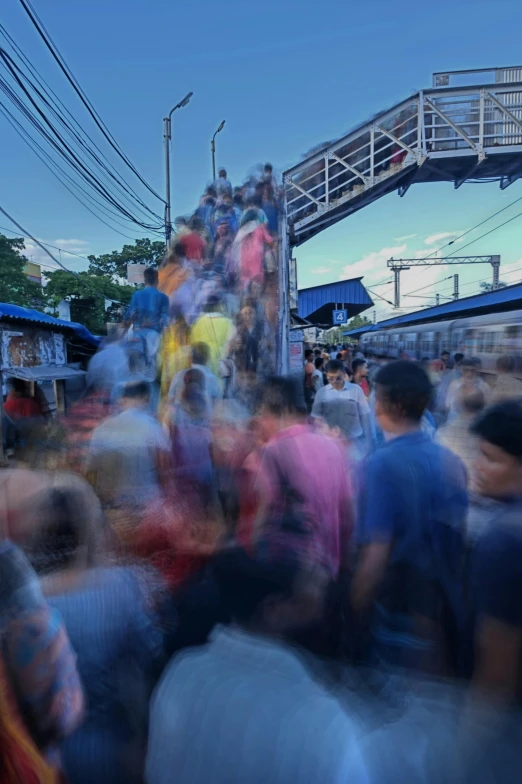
(397, 284)
(437, 299)
(495, 263)
(167, 136)
(456, 286)
(213, 150)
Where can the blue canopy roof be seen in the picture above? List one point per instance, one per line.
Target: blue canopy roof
(17, 313)
(317, 303)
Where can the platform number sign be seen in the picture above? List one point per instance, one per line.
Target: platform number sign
(340, 316)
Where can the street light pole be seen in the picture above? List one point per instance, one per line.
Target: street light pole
(213, 148)
(167, 136)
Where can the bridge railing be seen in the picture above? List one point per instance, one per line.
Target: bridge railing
(436, 123)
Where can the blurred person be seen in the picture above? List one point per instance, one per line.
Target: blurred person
(271, 209)
(129, 452)
(268, 177)
(507, 386)
(20, 404)
(238, 205)
(205, 211)
(469, 381)
(218, 332)
(254, 692)
(109, 366)
(413, 506)
(222, 184)
(360, 375)
(249, 250)
(175, 351)
(457, 435)
(200, 359)
(193, 244)
(294, 465)
(148, 313)
(440, 365)
(191, 436)
(117, 645)
(357, 411)
(248, 338)
(173, 270)
(318, 375)
(451, 373)
(498, 556)
(41, 697)
(222, 247)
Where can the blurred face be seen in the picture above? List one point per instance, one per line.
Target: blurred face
(336, 379)
(469, 373)
(498, 474)
(248, 316)
(362, 371)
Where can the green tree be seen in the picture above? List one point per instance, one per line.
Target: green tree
(15, 286)
(489, 286)
(114, 264)
(357, 322)
(63, 285)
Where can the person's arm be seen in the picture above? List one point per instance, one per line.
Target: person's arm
(364, 414)
(377, 520)
(318, 406)
(130, 315)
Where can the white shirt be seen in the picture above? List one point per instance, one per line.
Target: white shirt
(354, 403)
(244, 710)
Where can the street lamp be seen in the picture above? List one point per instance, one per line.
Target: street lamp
(213, 148)
(167, 136)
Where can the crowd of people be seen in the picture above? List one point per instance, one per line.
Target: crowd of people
(212, 573)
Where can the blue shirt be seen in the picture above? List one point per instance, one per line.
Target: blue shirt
(413, 494)
(149, 309)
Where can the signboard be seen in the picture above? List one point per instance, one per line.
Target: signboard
(340, 317)
(33, 272)
(135, 273)
(296, 357)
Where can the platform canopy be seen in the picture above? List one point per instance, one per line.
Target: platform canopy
(318, 303)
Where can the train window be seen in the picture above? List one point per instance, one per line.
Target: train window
(489, 342)
(455, 341)
(512, 332)
(480, 341)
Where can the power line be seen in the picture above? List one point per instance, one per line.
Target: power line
(51, 46)
(48, 244)
(27, 234)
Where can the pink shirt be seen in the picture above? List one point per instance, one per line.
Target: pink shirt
(316, 468)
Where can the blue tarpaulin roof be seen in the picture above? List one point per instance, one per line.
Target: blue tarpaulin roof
(17, 313)
(491, 300)
(317, 303)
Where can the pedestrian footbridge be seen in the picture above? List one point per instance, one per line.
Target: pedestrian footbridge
(466, 128)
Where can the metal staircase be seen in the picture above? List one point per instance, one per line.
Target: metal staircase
(447, 133)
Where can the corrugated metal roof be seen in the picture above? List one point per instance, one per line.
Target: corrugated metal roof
(487, 300)
(359, 330)
(18, 313)
(43, 372)
(343, 293)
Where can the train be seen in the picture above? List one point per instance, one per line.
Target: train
(485, 337)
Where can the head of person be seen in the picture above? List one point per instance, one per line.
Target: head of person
(498, 468)
(339, 355)
(223, 228)
(212, 192)
(65, 535)
(268, 169)
(458, 358)
(196, 224)
(248, 315)
(193, 394)
(222, 174)
(471, 402)
(359, 368)
(282, 401)
(237, 200)
(309, 355)
(334, 420)
(403, 391)
(200, 354)
(150, 276)
(136, 394)
(470, 367)
(506, 364)
(319, 362)
(275, 597)
(336, 374)
(317, 352)
(445, 356)
(425, 362)
(213, 304)
(249, 215)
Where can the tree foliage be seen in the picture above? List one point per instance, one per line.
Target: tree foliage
(114, 264)
(489, 286)
(15, 286)
(357, 322)
(63, 285)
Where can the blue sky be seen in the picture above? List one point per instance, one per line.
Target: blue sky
(285, 75)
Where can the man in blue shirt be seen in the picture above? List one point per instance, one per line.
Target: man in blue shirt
(412, 516)
(148, 313)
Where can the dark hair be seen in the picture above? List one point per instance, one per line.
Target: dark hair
(269, 167)
(196, 224)
(445, 353)
(458, 357)
(238, 200)
(334, 414)
(212, 192)
(200, 353)
(283, 395)
(501, 425)
(473, 401)
(308, 353)
(357, 363)
(222, 171)
(64, 525)
(245, 582)
(405, 389)
(179, 250)
(20, 386)
(506, 363)
(136, 390)
(317, 352)
(339, 356)
(334, 366)
(150, 276)
(319, 362)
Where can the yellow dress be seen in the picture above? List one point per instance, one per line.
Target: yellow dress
(216, 331)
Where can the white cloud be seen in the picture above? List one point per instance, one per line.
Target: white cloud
(443, 235)
(406, 237)
(320, 270)
(71, 243)
(372, 264)
(37, 255)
